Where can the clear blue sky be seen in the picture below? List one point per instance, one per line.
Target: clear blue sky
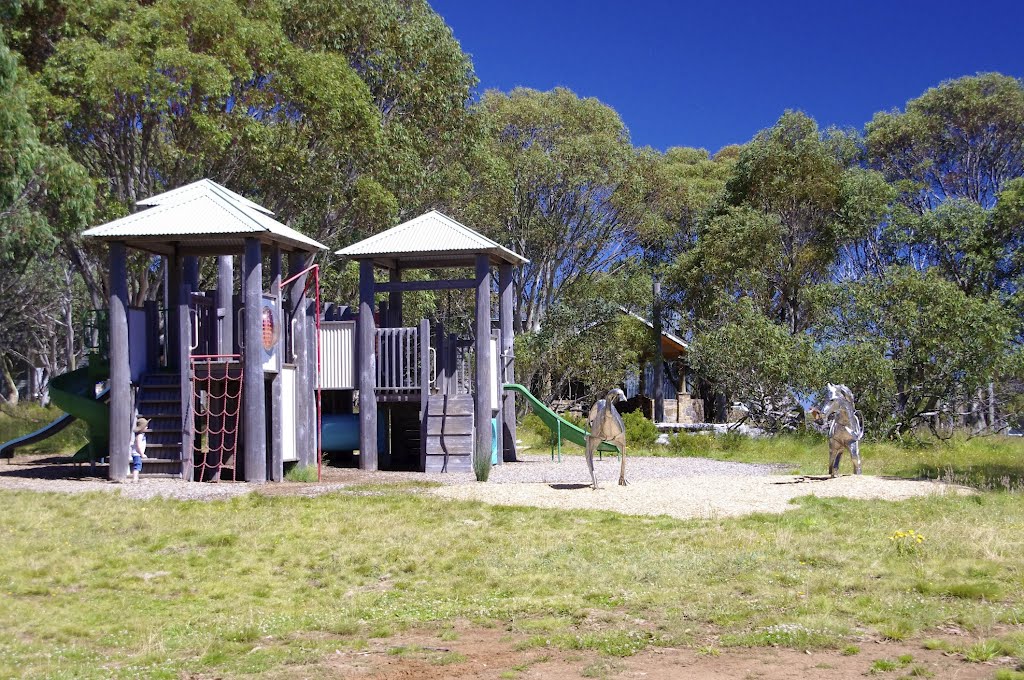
(713, 73)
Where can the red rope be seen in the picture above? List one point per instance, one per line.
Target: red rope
(217, 399)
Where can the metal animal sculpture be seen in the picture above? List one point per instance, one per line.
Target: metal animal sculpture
(845, 427)
(606, 425)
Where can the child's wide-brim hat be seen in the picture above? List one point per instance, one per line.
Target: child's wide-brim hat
(141, 425)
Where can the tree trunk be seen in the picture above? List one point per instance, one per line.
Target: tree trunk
(992, 426)
(12, 387)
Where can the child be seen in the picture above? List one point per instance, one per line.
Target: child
(138, 448)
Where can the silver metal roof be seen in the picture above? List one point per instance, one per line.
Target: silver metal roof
(430, 240)
(197, 187)
(198, 214)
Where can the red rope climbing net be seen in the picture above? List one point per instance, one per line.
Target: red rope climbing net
(216, 399)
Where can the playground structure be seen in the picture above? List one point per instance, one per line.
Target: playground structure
(238, 381)
(225, 377)
(434, 406)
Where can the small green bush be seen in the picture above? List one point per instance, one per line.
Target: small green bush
(640, 432)
(685, 444)
(731, 441)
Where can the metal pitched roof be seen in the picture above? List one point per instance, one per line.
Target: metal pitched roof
(432, 239)
(195, 187)
(198, 212)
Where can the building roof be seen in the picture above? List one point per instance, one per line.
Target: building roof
(201, 216)
(672, 346)
(430, 240)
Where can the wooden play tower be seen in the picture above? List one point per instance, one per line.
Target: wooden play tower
(226, 377)
(458, 402)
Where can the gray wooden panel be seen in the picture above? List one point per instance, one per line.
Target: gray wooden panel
(453, 446)
(453, 406)
(450, 425)
(462, 463)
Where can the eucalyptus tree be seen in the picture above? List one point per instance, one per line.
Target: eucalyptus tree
(956, 156)
(913, 343)
(952, 153)
(794, 201)
(549, 169)
(331, 114)
(666, 194)
(43, 193)
(757, 362)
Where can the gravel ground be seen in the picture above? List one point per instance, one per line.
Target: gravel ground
(573, 469)
(708, 495)
(680, 487)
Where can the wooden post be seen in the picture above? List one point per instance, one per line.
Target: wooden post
(275, 471)
(225, 309)
(191, 273)
(152, 310)
(183, 360)
(367, 366)
(395, 299)
(309, 321)
(482, 382)
(507, 362)
(305, 409)
(172, 341)
(254, 407)
(440, 384)
(424, 387)
(120, 370)
(658, 391)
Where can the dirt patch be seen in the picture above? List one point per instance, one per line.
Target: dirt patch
(494, 654)
(704, 496)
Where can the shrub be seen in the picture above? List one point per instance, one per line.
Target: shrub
(731, 441)
(686, 444)
(640, 432)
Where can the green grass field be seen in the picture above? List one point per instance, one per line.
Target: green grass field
(99, 586)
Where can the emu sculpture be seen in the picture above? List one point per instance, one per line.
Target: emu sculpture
(845, 427)
(606, 424)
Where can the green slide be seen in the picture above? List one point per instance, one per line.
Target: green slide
(74, 393)
(562, 428)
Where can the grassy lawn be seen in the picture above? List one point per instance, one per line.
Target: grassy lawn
(99, 586)
(983, 462)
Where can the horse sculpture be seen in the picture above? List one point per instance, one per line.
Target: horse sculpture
(606, 424)
(845, 427)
